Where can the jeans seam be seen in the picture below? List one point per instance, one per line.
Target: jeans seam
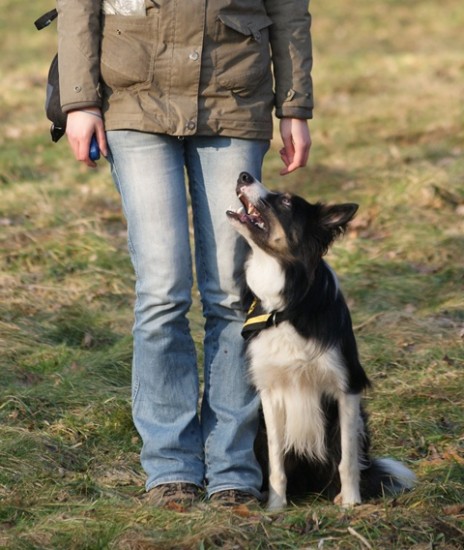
(202, 281)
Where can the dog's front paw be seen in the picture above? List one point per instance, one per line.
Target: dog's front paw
(347, 500)
(276, 502)
(277, 497)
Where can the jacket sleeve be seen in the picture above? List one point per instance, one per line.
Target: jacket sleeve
(290, 35)
(79, 35)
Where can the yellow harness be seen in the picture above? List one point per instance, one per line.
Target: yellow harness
(257, 319)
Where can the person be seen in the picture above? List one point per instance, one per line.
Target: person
(188, 86)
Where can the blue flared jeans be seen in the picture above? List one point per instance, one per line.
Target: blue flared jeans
(197, 435)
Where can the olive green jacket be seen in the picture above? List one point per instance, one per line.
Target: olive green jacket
(207, 67)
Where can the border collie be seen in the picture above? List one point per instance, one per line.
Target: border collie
(302, 353)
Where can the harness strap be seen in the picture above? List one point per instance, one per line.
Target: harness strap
(257, 319)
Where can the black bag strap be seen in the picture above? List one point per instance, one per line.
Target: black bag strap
(45, 19)
(53, 108)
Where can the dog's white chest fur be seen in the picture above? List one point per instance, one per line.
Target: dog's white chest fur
(291, 370)
(266, 279)
(295, 375)
(280, 356)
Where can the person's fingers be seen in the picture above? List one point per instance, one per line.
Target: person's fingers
(80, 127)
(101, 139)
(297, 144)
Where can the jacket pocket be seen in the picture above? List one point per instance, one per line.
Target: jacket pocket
(243, 52)
(128, 49)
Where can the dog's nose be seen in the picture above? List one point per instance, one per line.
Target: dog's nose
(245, 178)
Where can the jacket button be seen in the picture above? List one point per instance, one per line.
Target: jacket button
(77, 89)
(191, 125)
(290, 95)
(194, 56)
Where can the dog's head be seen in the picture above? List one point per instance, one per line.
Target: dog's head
(286, 225)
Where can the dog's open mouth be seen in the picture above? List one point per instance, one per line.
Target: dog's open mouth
(247, 214)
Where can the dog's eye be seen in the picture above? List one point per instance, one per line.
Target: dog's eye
(286, 201)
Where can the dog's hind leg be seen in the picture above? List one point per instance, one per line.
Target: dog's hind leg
(274, 416)
(349, 407)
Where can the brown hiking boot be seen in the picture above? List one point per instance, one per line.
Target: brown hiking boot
(172, 494)
(234, 497)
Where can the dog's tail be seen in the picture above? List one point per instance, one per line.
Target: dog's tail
(385, 476)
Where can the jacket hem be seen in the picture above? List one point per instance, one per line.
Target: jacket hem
(68, 107)
(294, 112)
(138, 124)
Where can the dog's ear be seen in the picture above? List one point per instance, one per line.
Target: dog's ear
(336, 217)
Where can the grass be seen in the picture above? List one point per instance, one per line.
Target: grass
(388, 134)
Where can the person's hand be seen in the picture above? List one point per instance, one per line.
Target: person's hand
(297, 143)
(81, 125)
